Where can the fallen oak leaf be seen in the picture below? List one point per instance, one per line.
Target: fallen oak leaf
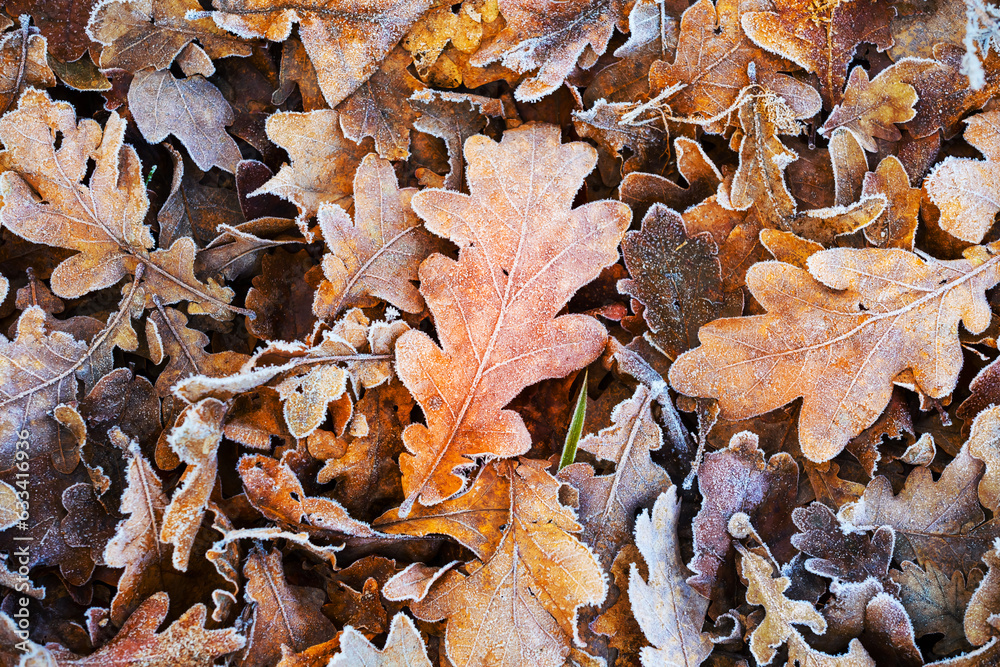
(934, 520)
(23, 64)
(62, 22)
(195, 438)
(821, 37)
(378, 255)
(781, 613)
(323, 161)
(191, 109)
(531, 577)
(936, 602)
(345, 41)
(870, 109)
(108, 231)
(550, 39)
(380, 108)
(497, 340)
(403, 646)
(738, 479)
(608, 502)
(151, 34)
(283, 615)
(871, 300)
(966, 190)
(185, 642)
(669, 611)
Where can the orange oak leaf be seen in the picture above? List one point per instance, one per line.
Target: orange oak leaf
(897, 228)
(195, 439)
(550, 38)
(102, 219)
(712, 58)
(821, 37)
(378, 254)
(323, 161)
(184, 643)
(523, 253)
(838, 335)
(345, 40)
(641, 190)
(151, 34)
(967, 190)
(870, 109)
(532, 575)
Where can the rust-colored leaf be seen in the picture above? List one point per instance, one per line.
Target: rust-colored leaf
(496, 341)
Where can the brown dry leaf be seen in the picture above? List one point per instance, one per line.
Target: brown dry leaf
(109, 232)
(62, 22)
(608, 503)
(453, 119)
(939, 521)
(676, 277)
(39, 369)
(195, 439)
(618, 623)
(185, 643)
(608, 125)
(821, 37)
(737, 479)
(403, 647)
(283, 615)
(878, 312)
(273, 488)
(840, 554)
(366, 473)
(136, 545)
(781, 613)
(897, 228)
(378, 254)
(870, 109)
(523, 594)
(668, 610)
(193, 209)
(344, 40)
(936, 603)
(551, 39)
(191, 109)
(168, 335)
(323, 161)
(22, 64)
(713, 55)
(498, 340)
(282, 297)
(984, 444)
(151, 33)
(297, 69)
(380, 108)
(981, 615)
(966, 190)
(640, 190)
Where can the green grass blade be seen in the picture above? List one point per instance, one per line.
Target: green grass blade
(575, 426)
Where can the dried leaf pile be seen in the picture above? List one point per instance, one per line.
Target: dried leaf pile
(499, 332)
